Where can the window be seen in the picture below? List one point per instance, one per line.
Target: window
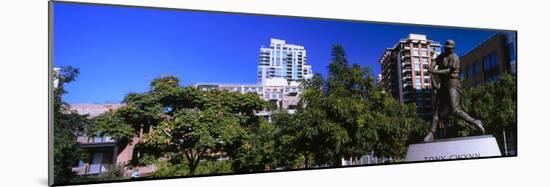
(424, 60)
(419, 102)
(512, 52)
(470, 71)
(99, 162)
(417, 84)
(416, 60)
(492, 78)
(476, 68)
(424, 52)
(490, 61)
(415, 51)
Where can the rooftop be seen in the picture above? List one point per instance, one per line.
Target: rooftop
(94, 109)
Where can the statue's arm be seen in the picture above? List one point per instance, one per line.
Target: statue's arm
(440, 71)
(454, 64)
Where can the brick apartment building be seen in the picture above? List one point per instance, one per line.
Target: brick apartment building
(104, 152)
(489, 59)
(484, 64)
(405, 72)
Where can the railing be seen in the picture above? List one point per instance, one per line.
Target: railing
(92, 140)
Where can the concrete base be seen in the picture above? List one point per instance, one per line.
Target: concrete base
(455, 148)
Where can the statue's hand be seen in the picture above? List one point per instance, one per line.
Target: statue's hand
(431, 70)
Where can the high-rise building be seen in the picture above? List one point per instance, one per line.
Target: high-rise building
(282, 60)
(378, 79)
(488, 60)
(405, 72)
(281, 69)
(56, 72)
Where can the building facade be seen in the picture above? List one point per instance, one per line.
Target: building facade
(104, 152)
(274, 90)
(282, 60)
(281, 69)
(405, 72)
(489, 59)
(484, 64)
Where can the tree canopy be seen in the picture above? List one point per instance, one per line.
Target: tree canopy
(346, 116)
(494, 103)
(188, 131)
(183, 124)
(67, 125)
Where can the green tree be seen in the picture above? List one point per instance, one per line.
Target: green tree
(350, 89)
(67, 124)
(347, 116)
(309, 135)
(184, 124)
(396, 126)
(194, 133)
(112, 124)
(495, 103)
(198, 124)
(257, 152)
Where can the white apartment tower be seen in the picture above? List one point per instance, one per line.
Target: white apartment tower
(282, 60)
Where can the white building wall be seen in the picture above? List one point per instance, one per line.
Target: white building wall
(283, 60)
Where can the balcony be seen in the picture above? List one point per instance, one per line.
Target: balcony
(86, 141)
(92, 169)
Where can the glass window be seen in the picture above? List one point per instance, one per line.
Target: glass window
(512, 51)
(424, 60)
(490, 61)
(476, 68)
(415, 51)
(416, 60)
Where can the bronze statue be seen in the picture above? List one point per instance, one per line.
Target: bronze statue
(446, 85)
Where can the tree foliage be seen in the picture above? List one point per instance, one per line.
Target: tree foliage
(67, 124)
(346, 116)
(495, 104)
(187, 131)
(183, 123)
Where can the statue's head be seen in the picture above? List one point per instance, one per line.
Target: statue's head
(449, 46)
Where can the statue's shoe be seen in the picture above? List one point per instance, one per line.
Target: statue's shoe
(429, 137)
(479, 125)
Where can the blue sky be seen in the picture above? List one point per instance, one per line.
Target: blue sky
(121, 49)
